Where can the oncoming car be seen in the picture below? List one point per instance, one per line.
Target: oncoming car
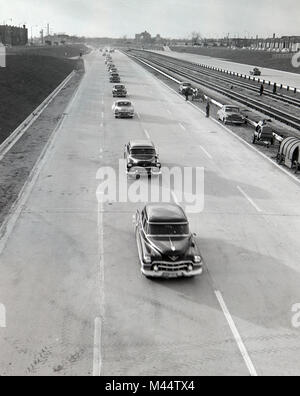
(231, 114)
(123, 109)
(119, 91)
(141, 158)
(166, 246)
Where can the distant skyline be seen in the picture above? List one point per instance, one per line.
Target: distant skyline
(170, 18)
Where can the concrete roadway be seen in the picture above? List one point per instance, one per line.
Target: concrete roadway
(69, 276)
(278, 76)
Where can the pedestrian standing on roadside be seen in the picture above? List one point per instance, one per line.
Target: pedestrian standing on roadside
(208, 109)
(261, 91)
(186, 93)
(275, 89)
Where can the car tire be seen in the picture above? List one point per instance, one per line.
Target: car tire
(254, 139)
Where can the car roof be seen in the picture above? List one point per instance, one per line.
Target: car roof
(165, 213)
(141, 143)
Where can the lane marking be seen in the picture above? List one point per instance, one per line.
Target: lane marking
(2, 316)
(147, 134)
(138, 115)
(236, 335)
(102, 114)
(97, 359)
(182, 126)
(175, 197)
(249, 199)
(205, 152)
(252, 147)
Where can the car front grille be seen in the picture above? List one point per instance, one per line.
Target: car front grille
(169, 267)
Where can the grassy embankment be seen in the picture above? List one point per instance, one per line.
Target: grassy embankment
(31, 74)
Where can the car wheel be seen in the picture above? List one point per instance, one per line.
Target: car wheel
(254, 139)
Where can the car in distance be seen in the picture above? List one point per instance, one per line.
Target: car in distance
(141, 158)
(229, 114)
(113, 70)
(119, 91)
(114, 78)
(184, 86)
(166, 246)
(255, 72)
(123, 109)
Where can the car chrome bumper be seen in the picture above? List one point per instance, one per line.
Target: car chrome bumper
(172, 274)
(139, 171)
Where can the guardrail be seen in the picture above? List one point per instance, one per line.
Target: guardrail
(22, 128)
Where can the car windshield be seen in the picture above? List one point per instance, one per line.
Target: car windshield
(124, 104)
(119, 87)
(142, 151)
(232, 109)
(168, 229)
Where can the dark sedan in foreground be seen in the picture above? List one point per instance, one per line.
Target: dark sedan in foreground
(166, 247)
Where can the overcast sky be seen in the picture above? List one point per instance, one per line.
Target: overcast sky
(170, 18)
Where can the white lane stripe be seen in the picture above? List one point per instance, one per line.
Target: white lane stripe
(102, 114)
(205, 152)
(2, 316)
(236, 335)
(182, 126)
(97, 361)
(249, 199)
(138, 115)
(175, 197)
(147, 134)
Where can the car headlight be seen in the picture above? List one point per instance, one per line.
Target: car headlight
(197, 259)
(148, 259)
(158, 164)
(190, 267)
(155, 268)
(129, 165)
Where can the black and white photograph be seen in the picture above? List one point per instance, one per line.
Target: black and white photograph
(149, 191)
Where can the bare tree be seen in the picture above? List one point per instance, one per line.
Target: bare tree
(196, 38)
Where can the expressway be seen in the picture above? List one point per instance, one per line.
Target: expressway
(278, 76)
(76, 302)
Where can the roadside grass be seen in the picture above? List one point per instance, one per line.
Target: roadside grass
(256, 58)
(64, 51)
(26, 81)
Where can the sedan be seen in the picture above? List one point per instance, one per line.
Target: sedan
(231, 114)
(123, 109)
(166, 246)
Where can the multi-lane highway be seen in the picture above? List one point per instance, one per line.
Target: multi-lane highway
(278, 76)
(76, 302)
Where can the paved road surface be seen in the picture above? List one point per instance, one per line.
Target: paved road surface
(280, 77)
(69, 276)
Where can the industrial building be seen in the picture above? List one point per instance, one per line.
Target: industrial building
(13, 35)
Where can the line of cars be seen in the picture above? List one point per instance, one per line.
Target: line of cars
(166, 246)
